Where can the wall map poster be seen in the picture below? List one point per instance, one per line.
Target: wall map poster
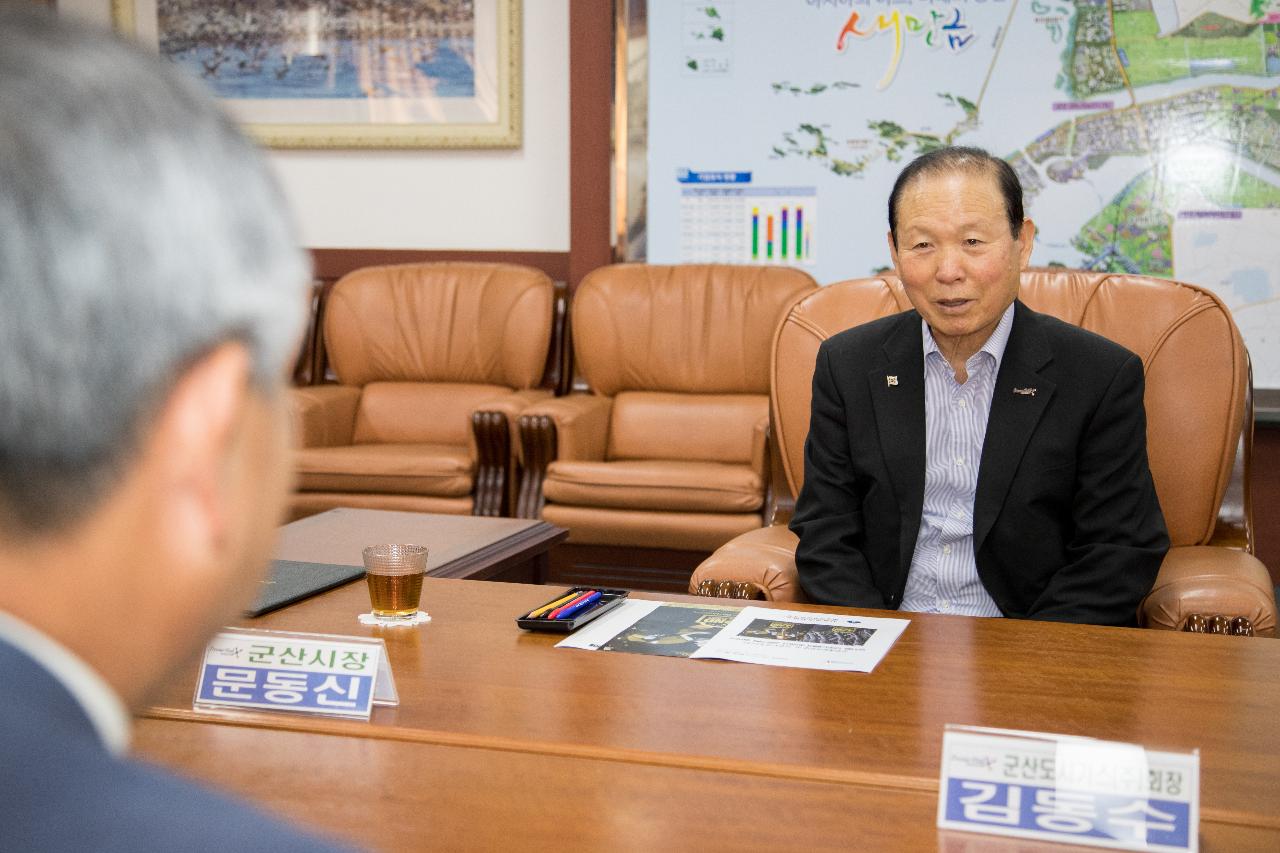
(1146, 132)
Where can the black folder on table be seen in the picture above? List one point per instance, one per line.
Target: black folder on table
(291, 581)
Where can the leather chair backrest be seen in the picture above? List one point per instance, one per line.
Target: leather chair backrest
(696, 328)
(1197, 373)
(419, 412)
(695, 427)
(477, 323)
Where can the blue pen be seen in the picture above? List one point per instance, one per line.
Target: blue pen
(581, 605)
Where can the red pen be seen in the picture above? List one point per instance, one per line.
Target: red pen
(555, 614)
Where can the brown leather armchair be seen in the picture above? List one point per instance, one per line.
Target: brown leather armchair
(1199, 433)
(665, 459)
(433, 361)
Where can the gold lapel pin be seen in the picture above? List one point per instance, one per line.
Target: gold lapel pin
(891, 381)
(1026, 392)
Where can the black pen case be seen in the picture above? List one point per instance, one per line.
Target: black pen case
(609, 599)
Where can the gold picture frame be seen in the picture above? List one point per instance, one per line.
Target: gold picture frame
(446, 74)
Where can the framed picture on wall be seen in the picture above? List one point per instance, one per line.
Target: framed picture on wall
(349, 73)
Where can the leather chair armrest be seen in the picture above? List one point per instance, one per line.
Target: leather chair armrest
(493, 422)
(1206, 581)
(324, 415)
(765, 557)
(515, 404)
(581, 423)
(574, 427)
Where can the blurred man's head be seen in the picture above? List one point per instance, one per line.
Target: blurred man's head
(151, 294)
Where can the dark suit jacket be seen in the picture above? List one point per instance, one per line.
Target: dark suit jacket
(60, 790)
(1066, 521)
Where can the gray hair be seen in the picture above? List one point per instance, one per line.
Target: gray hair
(960, 158)
(138, 231)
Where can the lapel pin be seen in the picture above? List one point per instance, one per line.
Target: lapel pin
(891, 381)
(1026, 392)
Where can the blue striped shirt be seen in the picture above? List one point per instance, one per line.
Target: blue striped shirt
(944, 574)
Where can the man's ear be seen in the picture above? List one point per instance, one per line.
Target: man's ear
(893, 251)
(189, 448)
(1026, 242)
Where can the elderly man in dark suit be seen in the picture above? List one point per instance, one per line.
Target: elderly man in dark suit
(151, 295)
(973, 456)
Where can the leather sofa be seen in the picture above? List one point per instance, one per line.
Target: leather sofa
(433, 363)
(668, 450)
(1199, 433)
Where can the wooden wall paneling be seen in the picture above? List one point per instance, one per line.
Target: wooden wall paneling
(1266, 496)
(333, 264)
(655, 569)
(590, 141)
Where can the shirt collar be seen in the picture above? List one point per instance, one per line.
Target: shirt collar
(994, 346)
(100, 703)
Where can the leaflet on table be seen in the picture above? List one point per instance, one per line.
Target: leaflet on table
(804, 639)
(653, 628)
(595, 634)
(1069, 789)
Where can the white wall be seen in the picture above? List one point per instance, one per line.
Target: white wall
(474, 200)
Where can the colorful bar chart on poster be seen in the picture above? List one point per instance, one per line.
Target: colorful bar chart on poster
(743, 224)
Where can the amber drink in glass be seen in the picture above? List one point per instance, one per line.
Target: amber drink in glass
(394, 573)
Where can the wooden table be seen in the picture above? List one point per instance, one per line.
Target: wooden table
(403, 795)
(459, 546)
(474, 688)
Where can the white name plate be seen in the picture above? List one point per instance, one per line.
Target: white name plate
(302, 673)
(1069, 789)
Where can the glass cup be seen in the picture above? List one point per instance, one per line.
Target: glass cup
(394, 573)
